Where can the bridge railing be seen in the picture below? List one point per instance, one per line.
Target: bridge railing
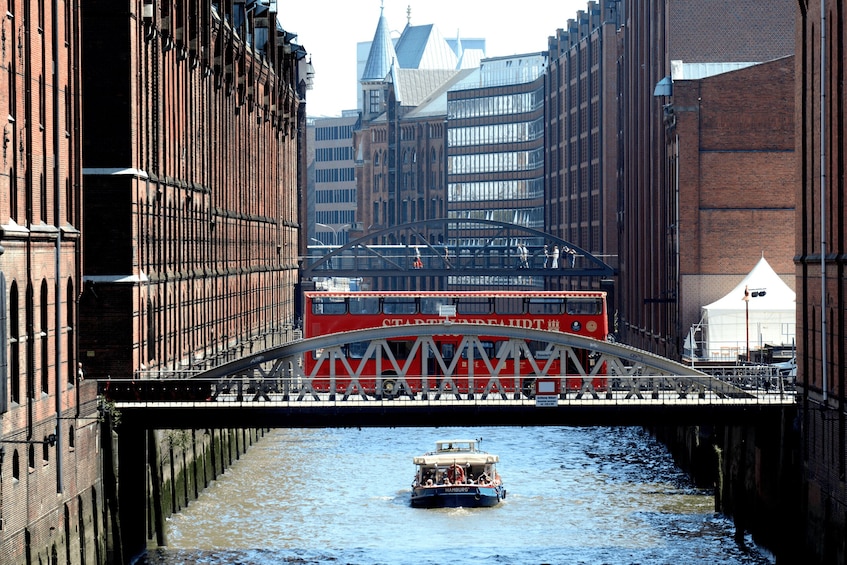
(425, 388)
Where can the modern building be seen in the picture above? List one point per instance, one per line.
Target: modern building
(495, 156)
(332, 180)
(820, 256)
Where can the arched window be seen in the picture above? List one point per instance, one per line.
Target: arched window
(14, 345)
(45, 332)
(16, 466)
(69, 337)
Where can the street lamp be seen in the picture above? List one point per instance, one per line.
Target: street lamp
(334, 231)
(748, 294)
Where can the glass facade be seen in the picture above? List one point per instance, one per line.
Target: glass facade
(496, 133)
(504, 162)
(496, 190)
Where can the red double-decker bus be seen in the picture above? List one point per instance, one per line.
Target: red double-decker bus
(578, 312)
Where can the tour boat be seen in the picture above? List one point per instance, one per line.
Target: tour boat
(456, 474)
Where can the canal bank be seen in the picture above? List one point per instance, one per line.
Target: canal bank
(162, 471)
(755, 470)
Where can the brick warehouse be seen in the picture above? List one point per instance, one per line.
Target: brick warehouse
(581, 137)
(821, 288)
(151, 225)
(50, 490)
(655, 36)
(191, 204)
(735, 136)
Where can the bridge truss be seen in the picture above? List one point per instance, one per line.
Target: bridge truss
(607, 378)
(466, 247)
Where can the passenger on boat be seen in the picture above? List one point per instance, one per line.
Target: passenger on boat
(456, 474)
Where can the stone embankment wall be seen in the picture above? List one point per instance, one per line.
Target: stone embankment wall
(755, 470)
(187, 461)
(179, 465)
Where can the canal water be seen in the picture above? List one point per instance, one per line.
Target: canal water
(574, 495)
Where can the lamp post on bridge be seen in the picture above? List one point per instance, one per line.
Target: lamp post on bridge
(334, 231)
(748, 294)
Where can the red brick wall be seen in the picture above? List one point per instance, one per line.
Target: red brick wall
(822, 348)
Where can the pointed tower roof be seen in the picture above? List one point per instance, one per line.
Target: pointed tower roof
(382, 54)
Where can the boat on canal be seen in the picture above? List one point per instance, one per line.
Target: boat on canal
(456, 474)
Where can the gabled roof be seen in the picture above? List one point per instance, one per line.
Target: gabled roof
(423, 47)
(436, 103)
(381, 55)
(413, 86)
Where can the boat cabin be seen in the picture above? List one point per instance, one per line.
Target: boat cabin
(457, 461)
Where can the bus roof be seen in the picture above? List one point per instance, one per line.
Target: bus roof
(468, 293)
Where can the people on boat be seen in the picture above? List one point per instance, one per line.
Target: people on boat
(456, 474)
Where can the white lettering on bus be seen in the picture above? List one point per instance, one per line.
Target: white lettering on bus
(536, 324)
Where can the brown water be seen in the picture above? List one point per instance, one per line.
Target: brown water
(575, 495)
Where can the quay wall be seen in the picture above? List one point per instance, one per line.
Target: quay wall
(179, 465)
(755, 471)
(186, 463)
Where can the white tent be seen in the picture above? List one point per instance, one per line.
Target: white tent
(767, 316)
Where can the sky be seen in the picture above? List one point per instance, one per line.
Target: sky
(330, 29)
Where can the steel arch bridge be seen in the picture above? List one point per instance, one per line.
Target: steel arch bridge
(483, 247)
(273, 388)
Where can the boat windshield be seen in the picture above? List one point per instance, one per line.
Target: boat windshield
(456, 445)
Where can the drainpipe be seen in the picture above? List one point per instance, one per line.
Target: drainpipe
(57, 193)
(824, 360)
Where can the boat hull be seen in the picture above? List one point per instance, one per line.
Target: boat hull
(457, 496)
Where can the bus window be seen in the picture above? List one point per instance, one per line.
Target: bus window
(508, 305)
(585, 306)
(364, 305)
(357, 349)
(546, 306)
(447, 351)
(487, 346)
(328, 305)
(431, 305)
(540, 349)
(398, 305)
(473, 305)
(400, 349)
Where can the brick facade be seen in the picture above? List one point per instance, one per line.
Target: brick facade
(730, 141)
(582, 151)
(50, 493)
(736, 179)
(192, 208)
(821, 281)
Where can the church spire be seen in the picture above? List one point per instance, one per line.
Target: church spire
(382, 54)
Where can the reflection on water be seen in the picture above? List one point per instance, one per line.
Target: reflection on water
(595, 495)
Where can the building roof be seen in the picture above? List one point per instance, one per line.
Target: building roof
(413, 86)
(436, 103)
(730, 30)
(423, 47)
(382, 54)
